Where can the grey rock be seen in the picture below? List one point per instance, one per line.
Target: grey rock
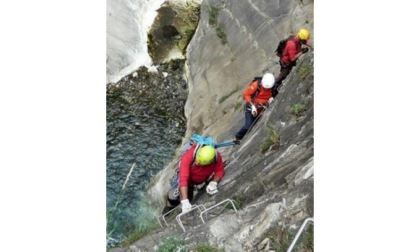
(275, 187)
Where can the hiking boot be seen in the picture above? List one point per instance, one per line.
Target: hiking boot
(167, 209)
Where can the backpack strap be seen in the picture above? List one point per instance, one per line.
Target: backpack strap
(258, 88)
(197, 147)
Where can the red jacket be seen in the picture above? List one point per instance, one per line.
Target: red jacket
(263, 96)
(292, 48)
(189, 172)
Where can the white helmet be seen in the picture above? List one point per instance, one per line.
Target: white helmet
(268, 80)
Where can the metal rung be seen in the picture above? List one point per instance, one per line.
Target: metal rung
(201, 208)
(226, 200)
(193, 207)
(299, 233)
(163, 217)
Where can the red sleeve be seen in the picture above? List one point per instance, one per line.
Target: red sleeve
(184, 167)
(219, 170)
(250, 89)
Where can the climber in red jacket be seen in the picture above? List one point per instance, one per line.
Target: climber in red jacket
(197, 167)
(291, 53)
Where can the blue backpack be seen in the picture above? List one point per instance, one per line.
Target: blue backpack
(198, 141)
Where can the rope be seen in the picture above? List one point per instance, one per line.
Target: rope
(256, 119)
(252, 125)
(225, 144)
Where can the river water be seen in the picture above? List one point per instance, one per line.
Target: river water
(145, 117)
(145, 124)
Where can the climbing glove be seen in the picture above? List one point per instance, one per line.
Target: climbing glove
(212, 188)
(186, 206)
(305, 50)
(254, 110)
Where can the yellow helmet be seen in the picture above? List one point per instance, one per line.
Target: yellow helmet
(205, 155)
(303, 34)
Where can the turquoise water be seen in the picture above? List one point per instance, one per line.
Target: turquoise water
(145, 123)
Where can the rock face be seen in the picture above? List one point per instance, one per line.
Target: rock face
(173, 29)
(270, 174)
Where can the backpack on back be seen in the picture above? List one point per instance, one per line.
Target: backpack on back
(258, 78)
(282, 45)
(197, 141)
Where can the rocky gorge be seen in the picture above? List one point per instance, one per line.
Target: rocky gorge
(270, 174)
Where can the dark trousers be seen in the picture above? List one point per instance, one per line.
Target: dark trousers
(173, 198)
(249, 120)
(174, 195)
(284, 72)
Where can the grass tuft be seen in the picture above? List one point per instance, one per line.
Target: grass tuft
(221, 34)
(226, 96)
(272, 140)
(304, 70)
(238, 105)
(172, 244)
(238, 200)
(281, 238)
(213, 14)
(298, 109)
(204, 247)
(139, 234)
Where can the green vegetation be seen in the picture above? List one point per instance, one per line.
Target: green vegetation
(204, 247)
(272, 140)
(238, 200)
(281, 239)
(189, 34)
(139, 234)
(226, 96)
(221, 34)
(185, 40)
(297, 109)
(220, 31)
(192, 17)
(306, 241)
(238, 105)
(304, 70)
(213, 14)
(172, 244)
